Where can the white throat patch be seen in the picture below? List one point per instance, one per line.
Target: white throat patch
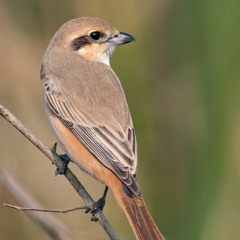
(105, 58)
(100, 57)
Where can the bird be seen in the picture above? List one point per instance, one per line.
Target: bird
(89, 114)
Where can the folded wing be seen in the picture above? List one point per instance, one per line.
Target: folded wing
(114, 147)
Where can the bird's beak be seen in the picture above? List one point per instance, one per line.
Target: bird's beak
(121, 38)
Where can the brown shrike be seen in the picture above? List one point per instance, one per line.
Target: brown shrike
(89, 114)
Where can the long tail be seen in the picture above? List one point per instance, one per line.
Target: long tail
(141, 220)
(139, 216)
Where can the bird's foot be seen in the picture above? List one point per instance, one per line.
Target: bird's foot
(98, 205)
(65, 160)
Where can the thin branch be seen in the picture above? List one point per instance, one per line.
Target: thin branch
(76, 184)
(48, 222)
(67, 210)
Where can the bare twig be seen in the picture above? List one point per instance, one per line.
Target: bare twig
(48, 222)
(44, 209)
(58, 162)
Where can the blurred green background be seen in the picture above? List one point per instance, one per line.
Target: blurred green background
(181, 78)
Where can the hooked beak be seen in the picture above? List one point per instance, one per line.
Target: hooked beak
(121, 38)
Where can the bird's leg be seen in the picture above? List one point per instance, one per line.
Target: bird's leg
(98, 205)
(65, 160)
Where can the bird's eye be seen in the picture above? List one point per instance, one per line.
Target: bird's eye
(96, 35)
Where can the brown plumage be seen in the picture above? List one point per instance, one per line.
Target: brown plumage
(89, 113)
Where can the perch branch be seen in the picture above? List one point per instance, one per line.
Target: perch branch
(76, 184)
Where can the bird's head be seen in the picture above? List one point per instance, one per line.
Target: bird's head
(91, 38)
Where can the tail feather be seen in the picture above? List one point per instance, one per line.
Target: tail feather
(141, 220)
(137, 213)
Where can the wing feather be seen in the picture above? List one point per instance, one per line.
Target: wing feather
(115, 148)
